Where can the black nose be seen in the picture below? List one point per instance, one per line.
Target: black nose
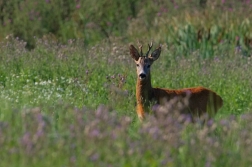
(142, 75)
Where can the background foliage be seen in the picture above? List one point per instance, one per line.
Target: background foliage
(67, 82)
(174, 22)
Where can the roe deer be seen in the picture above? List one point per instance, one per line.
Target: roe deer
(200, 99)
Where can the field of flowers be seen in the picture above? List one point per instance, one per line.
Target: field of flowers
(68, 99)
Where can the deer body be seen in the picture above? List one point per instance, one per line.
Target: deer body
(199, 99)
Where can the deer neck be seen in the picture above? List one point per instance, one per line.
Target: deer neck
(144, 90)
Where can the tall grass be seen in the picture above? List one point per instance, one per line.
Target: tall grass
(92, 21)
(70, 100)
(51, 112)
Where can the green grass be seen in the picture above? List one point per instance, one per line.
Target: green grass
(51, 111)
(72, 102)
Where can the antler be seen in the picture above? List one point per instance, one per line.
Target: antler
(150, 46)
(141, 50)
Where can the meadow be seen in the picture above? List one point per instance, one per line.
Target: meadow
(68, 99)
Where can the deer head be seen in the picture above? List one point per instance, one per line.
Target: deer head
(143, 63)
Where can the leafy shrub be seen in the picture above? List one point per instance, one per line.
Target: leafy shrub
(165, 21)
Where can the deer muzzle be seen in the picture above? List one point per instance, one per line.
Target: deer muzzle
(142, 76)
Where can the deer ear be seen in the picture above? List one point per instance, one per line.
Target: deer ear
(155, 54)
(134, 53)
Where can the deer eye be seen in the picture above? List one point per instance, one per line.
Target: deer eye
(137, 65)
(148, 66)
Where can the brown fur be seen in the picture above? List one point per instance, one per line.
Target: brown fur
(200, 99)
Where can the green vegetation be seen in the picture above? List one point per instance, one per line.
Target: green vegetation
(70, 101)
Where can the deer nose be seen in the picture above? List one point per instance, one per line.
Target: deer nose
(142, 76)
